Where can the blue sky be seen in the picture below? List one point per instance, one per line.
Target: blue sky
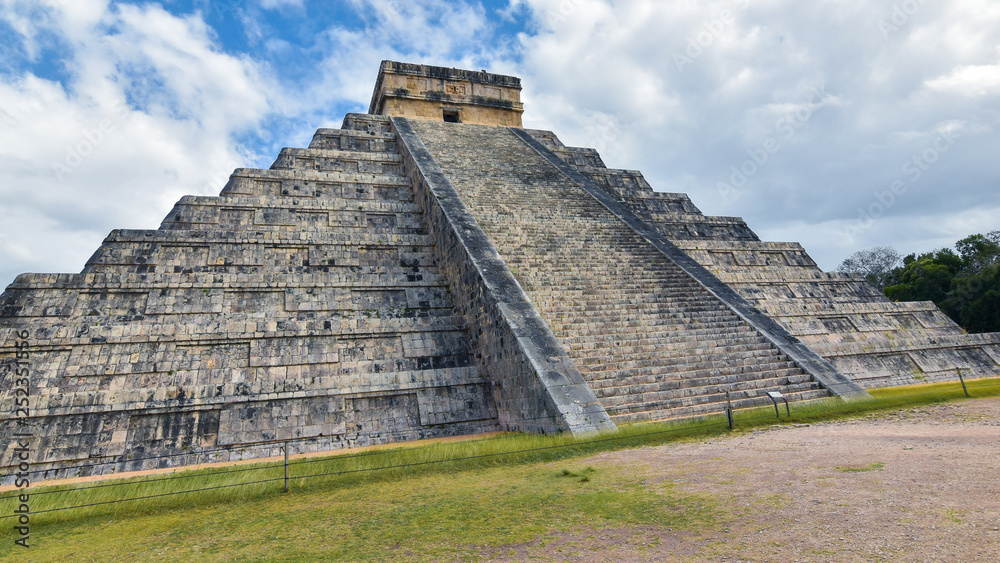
(839, 124)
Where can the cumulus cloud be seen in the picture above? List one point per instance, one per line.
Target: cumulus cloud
(437, 32)
(849, 94)
(428, 31)
(971, 81)
(146, 113)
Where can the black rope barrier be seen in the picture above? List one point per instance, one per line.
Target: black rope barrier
(149, 496)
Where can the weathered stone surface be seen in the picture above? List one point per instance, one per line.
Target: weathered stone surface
(305, 301)
(409, 278)
(447, 94)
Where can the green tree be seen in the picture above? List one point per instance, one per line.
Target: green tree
(965, 284)
(974, 300)
(979, 251)
(922, 279)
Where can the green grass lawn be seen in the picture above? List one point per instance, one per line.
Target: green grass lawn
(444, 515)
(427, 502)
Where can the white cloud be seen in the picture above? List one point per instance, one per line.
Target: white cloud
(149, 115)
(421, 31)
(971, 81)
(696, 86)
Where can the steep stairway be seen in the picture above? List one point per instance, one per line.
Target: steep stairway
(652, 343)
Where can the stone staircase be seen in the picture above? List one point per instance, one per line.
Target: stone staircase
(304, 301)
(865, 336)
(651, 342)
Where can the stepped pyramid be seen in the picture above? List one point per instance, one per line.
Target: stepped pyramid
(433, 269)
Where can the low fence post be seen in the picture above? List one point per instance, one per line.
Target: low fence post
(962, 379)
(286, 467)
(729, 412)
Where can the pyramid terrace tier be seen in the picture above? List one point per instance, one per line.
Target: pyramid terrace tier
(50, 333)
(177, 302)
(279, 214)
(176, 373)
(907, 361)
(263, 251)
(354, 141)
(315, 184)
(343, 162)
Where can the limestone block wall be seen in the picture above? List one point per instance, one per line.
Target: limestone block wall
(304, 302)
(434, 110)
(844, 319)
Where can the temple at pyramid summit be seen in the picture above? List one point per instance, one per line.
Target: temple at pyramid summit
(434, 269)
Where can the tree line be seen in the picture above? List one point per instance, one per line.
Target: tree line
(963, 281)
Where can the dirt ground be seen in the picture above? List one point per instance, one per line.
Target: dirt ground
(918, 484)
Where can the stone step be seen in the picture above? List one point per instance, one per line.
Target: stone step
(670, 345)
(609, 305)
(678, 366)
(634, 401)
(580, 284)
(667, 310)
(581, 325)
(716, 404)
(576, 340)
(668, 381)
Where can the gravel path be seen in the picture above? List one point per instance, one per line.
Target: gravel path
(913, 485)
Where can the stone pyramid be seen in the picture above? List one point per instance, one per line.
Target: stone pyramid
(433, 269)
